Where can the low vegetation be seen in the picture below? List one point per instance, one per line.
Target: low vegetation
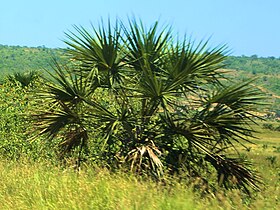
(55, 187)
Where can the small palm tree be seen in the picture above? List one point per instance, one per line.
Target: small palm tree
(135, 97)
(23, 78)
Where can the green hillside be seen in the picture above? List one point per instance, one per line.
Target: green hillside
(255, 64)
(266, 70)
(20, 59)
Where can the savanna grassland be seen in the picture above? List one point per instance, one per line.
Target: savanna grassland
(126, 119)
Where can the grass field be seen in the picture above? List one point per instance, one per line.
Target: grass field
(33, 185)
(41, 186)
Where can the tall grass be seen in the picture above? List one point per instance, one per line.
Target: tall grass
(41, 185)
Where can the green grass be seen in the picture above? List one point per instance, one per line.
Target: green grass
(42, 185)
(26, 185)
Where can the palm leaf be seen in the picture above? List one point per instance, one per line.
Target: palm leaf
(99, 52)
(64, 86)
(51, 123)
(234, 172)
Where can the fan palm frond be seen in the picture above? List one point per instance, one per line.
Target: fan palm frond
(145, 47)
(64, 86)
(99, 53)
(74, 137)
(235, 172)
(52, 122)
(190, 67)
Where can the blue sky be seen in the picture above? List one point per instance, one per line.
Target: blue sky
(247, 26)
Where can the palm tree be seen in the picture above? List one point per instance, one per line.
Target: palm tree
(25, 79)
(135, 97)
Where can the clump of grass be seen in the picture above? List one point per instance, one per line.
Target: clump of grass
(272, 160)
(265, 146)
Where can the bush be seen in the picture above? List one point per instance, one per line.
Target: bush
(15, 104)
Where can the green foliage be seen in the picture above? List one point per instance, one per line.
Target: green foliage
(132, 97)
(15, 104)
(24, 79)
(254, 64)
(23, 59)
(12, 121)
(266, 70)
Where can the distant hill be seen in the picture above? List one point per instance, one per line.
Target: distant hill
(254, 64)
(267, 70)
(18, 59)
